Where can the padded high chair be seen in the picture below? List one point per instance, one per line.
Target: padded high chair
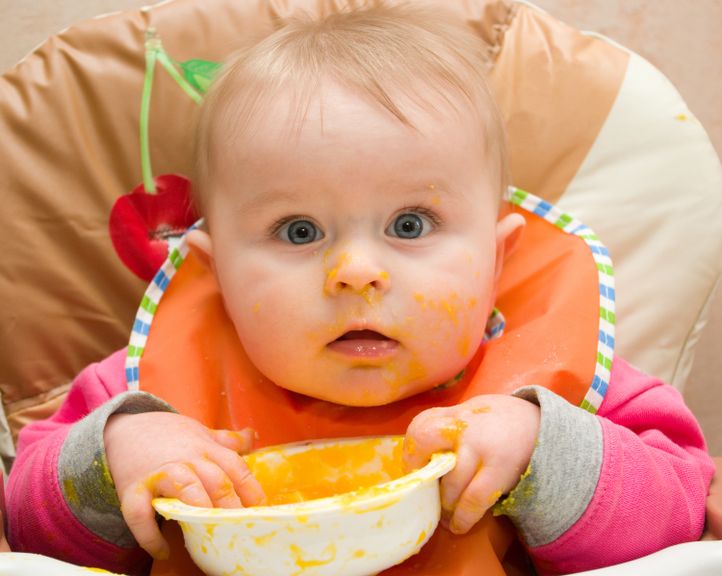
(593, 128)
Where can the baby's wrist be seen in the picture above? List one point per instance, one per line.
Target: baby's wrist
(563, 471)
(84, 472)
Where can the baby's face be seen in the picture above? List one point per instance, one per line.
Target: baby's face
(357, 256)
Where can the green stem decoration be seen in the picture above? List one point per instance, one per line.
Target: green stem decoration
(154, 52)
(168, 64)
(151, 43)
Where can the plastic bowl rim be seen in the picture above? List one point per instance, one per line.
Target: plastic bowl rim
(376, 496)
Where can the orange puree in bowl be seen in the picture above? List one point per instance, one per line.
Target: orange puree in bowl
(317, 471)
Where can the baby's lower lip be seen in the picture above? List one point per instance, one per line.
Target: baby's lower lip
(364, 344)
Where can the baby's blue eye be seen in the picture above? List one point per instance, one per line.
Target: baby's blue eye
(409, 226)
(300, 232)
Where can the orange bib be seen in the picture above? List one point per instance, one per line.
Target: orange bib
(557, 297)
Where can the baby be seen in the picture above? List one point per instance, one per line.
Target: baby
(352, 172)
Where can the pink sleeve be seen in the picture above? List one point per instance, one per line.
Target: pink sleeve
(653, 482)
(39, 519)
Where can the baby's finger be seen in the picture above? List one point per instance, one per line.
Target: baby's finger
(244, 483)
(455, 482)
(173, 481)
(139, 515)
(217, 484)
(478, 497)
(240, 441)
(427, 434)
(178, 480)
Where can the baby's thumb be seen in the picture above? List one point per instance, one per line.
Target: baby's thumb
(240, 441)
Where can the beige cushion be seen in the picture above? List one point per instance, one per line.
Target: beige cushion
(651, 187)
(590, 126)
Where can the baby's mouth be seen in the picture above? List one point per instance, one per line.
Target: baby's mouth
(364, 344)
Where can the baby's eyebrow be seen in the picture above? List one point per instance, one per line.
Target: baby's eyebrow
(436, 189)
(265, 199)
(269, 198)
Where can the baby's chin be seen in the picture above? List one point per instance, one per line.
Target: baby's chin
(363, 396)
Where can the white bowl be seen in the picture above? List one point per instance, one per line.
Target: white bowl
(25, 564)
(353, 533)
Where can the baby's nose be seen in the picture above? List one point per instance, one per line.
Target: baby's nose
(356, 273)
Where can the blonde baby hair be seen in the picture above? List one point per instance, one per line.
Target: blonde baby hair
(392, 54)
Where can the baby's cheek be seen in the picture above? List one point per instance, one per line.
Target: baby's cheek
(260, 326)
(399, 375)
(448, 320)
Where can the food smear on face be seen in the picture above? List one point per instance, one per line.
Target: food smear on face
(397, 376)
(370, 294)
(463, 345)
(329, 470)
(331, 272)
(449, 306)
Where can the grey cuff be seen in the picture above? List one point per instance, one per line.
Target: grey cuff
(563, 473)
(83, 472)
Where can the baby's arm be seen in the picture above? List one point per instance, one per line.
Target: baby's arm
(50, 482)
(599, 489)
(652, 482)
(62, 499)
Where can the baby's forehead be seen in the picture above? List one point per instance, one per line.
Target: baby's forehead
(328, 104)
(345, 142)
(402, 58)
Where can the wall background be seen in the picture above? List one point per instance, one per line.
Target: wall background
(682, 39)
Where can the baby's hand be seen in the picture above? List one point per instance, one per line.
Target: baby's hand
(164, 454)
(493, 437)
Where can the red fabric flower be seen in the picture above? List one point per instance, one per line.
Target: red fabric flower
(141, 224)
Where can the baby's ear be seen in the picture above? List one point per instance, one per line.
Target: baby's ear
(201, 246)
(508, 233)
